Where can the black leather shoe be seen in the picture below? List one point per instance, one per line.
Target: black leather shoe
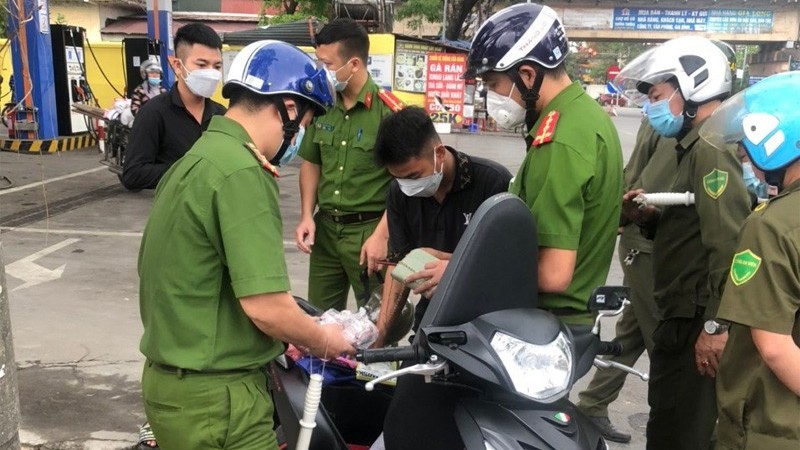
(609, 432)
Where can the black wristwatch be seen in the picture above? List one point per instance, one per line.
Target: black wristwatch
(716, 326)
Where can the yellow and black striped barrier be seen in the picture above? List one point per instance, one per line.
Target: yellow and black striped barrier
(38, 146)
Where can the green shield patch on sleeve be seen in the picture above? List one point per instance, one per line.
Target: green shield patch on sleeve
(744, 267)
(715, 183)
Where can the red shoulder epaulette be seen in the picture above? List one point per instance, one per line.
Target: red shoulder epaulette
(387, 97)
(547, 129)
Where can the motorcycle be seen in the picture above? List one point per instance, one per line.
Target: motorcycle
(483, 332)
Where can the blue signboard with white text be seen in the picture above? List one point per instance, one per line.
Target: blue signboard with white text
(740, 21)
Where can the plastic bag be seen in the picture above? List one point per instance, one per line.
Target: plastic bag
(356, 326)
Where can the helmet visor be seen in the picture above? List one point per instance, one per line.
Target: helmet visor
(763, 119)
(725, 124)
(635, 79)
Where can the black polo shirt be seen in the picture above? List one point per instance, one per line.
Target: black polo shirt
(162, 132)
(424, 222)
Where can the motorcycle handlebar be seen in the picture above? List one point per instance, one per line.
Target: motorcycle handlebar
(369, 356)
(610, 348)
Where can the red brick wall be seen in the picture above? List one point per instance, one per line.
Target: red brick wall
(241, 6)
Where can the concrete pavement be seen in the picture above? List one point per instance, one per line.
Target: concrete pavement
(70, 237)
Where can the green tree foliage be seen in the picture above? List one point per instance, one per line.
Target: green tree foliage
(294, 10)
(458, 12)
(590, 61)
(419, 11)
(3, 22)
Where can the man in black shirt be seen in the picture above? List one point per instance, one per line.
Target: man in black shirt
(429, 204)
(431, 200)
(169, 124)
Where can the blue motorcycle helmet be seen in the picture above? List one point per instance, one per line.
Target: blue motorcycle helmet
(764, 119)
(522, 33)
(277, 68)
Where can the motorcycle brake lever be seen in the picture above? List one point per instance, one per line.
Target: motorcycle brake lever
(606, 364)
(428, 369)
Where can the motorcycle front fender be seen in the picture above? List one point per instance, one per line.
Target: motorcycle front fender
(525, 425)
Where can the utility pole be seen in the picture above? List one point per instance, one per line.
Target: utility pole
(444, 21)
(9, 394)
(159, 30)
(744, 68)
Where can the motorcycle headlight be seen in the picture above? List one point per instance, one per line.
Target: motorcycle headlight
(540, 372)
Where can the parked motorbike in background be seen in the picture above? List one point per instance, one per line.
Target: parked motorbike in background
(481, 332)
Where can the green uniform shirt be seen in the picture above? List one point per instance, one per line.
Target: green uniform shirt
(693, 245)
(651, 167)
(756, 410)
(214, 236)
(573, 186)
(342, 143)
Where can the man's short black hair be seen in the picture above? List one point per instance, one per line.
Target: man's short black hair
(241, 97)
(352, 36)
(403, 135)
(196, 33)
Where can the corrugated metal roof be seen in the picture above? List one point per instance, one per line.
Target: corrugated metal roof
(299, 33)
(296, 33)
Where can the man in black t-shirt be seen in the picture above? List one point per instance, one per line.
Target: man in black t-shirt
(430, 202)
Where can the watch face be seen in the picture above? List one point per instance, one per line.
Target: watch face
(710, 326)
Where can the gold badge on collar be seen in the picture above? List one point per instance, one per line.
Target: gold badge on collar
(547, 129)
(368, 100)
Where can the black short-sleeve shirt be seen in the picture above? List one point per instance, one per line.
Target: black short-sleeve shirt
(424, 222)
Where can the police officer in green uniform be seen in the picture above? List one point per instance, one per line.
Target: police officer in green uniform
(571, 177)
(758, 385)
(651, 167)
(214, 286)
(686, 80)
(339, 174)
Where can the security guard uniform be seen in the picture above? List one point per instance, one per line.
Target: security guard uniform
(571, 180)
(651, 167)
(692, 251)
(213, 229)
(756, 410)
(350, 194)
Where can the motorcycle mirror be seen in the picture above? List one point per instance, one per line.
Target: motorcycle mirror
(606, 298)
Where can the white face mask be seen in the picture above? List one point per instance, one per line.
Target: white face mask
(202, 82)
(424, 186)
(504, 110)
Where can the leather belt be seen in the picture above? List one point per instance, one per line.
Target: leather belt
(349, 219)
(183, 372)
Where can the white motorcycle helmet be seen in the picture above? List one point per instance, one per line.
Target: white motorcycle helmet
(699, 65)
(149, 65)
